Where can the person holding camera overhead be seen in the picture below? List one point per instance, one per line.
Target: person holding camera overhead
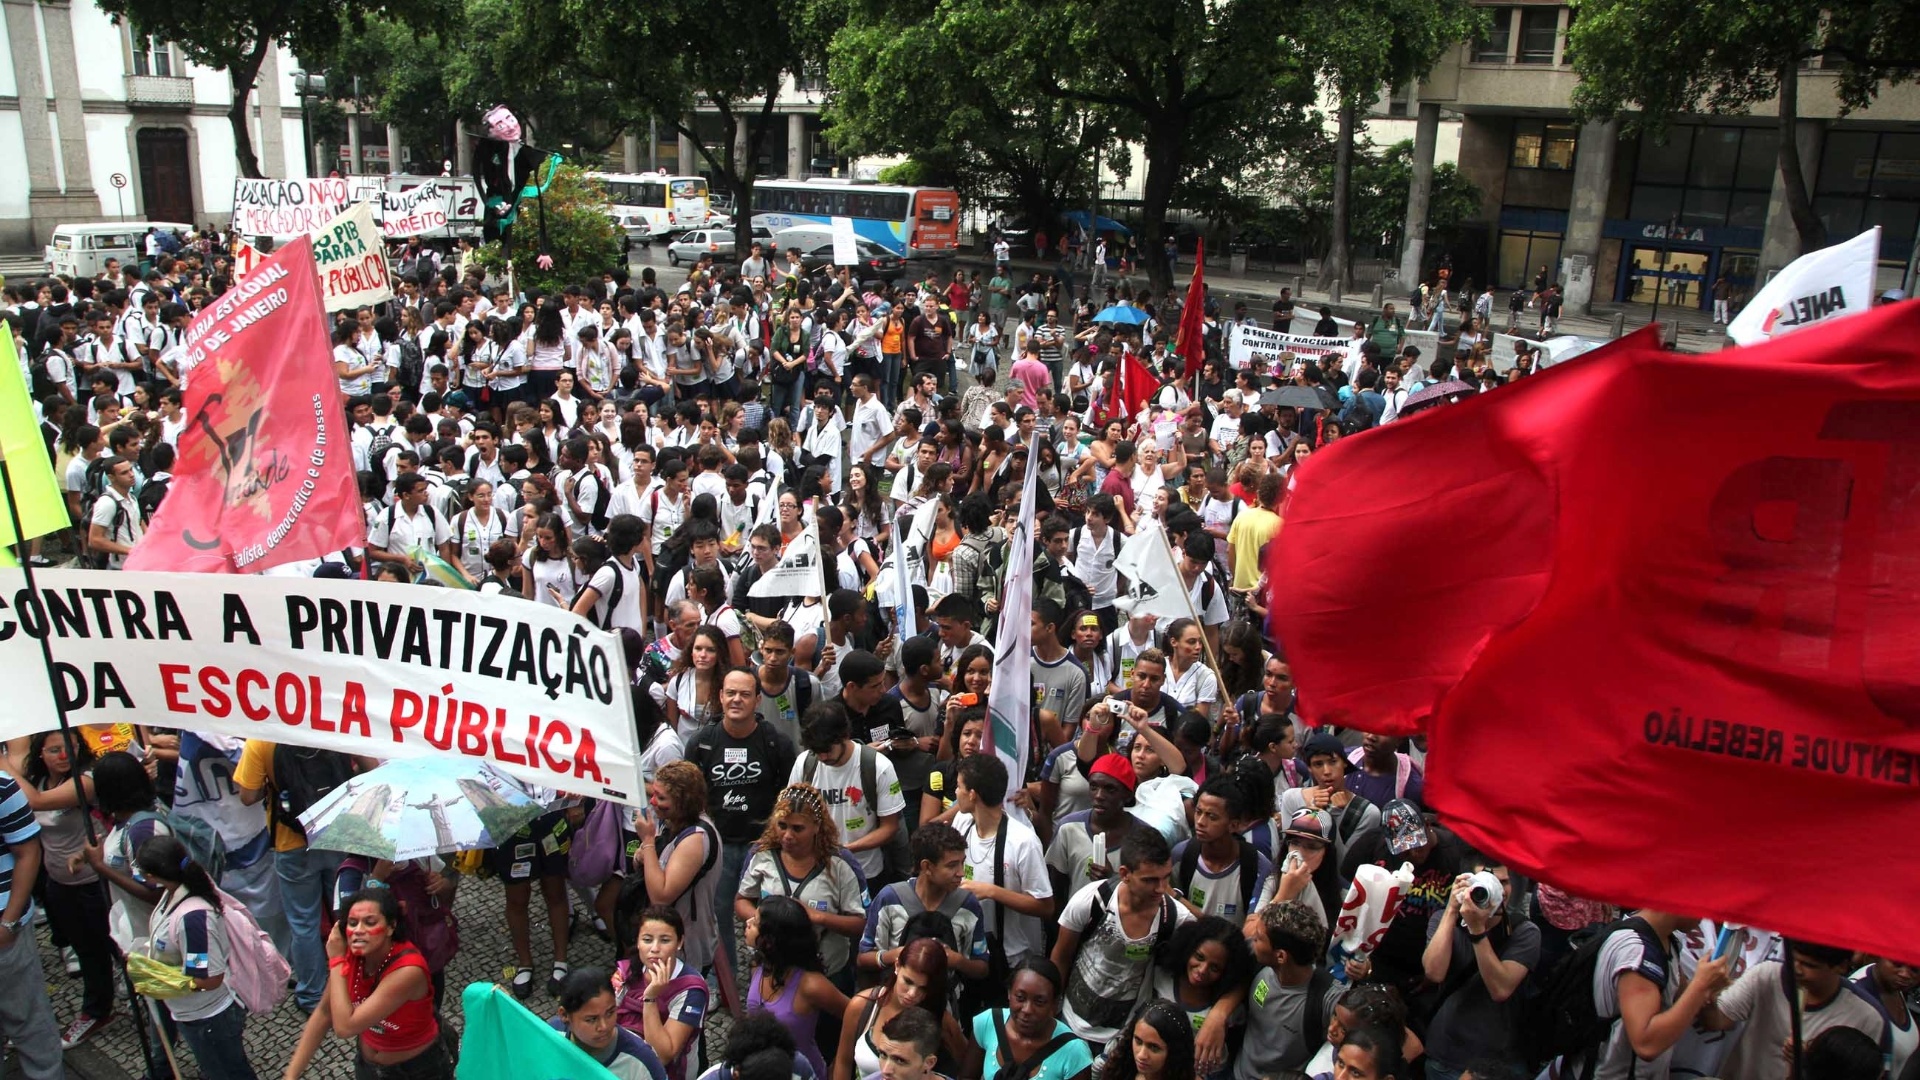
(1478, 959)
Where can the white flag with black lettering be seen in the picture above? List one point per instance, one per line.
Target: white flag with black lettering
(1813, 289)
(798, 572)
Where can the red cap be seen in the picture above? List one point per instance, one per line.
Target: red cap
(1116, 766)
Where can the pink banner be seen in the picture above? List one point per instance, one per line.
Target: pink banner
(265, 473)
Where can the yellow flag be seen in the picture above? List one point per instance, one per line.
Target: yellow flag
(42, 508)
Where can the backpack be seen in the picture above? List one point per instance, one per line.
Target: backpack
(458, 497)
(203, 842)
(100, 560)
(633, 897)
(899, 859)
(256, 972)
(596, 849)
(602, 497)
(383, 441)
(1102, 897)
(149, 498)
(1249, 875)
(43, 381)
(413, 362)
(95, 484)
(301, 778)
(612, 599)
(978, 993)
(1561, 1018)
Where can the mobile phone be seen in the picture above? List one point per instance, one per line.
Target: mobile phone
(967, 701)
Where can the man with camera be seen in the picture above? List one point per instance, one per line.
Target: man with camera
(1478, 959)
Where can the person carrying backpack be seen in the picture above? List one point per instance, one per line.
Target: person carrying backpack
(1109, 932)
(293, 778)
(1479, 958)
(191, 932)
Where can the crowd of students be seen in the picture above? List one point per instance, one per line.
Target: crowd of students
(1159, 896)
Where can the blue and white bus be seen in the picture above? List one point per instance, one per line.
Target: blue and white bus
(913, 222)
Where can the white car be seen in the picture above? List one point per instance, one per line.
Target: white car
(716, 242)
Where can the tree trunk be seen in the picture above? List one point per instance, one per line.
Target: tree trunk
(1165, 136)
(1336, 265)
(242, 77)
(1813, 233)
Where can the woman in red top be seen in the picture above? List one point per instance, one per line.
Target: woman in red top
(378, 991)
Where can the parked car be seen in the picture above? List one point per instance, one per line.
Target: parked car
(711, 241)
(82, 250)
(875, 261)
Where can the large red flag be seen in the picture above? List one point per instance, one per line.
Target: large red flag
(1190, 342)
(265, 473)
(1665, 610)
(1133, 385)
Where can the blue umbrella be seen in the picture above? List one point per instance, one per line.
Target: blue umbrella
(1102, 224)
(1122, 315)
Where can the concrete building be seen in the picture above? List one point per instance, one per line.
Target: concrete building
(794, 146)
(1615, 216)
(96, 124)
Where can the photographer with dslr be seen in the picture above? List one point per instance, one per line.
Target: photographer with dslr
(1478, 959)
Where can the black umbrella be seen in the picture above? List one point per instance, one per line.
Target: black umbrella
(1296, 397)
(1434, 395)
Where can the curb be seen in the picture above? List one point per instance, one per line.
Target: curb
(88, 1062)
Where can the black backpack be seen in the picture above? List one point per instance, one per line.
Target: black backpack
(633, 898)
(1561, 1019)
(302, 776)
(413, 362)
(43, 381)
(1249, 874)
(377, 451)
(149, 498)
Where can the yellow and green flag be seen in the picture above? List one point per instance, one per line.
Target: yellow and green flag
(42, 508)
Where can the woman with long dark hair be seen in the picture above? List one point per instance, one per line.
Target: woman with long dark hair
(1204, 959)
(547, 352)
(379, 993)
(919, 981)
(551, 577)
(189, 932)
(1155, 1044)
(787, 982)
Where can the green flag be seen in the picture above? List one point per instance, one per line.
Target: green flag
(503, 1041)
(42, 508)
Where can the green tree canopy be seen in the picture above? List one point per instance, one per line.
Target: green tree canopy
(580, 236)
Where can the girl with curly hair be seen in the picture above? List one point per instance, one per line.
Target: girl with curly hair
(799, 857)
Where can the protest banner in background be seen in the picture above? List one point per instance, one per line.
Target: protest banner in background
(352, 261)
(287, 208)
(1259, 346)
(846, 246)
(1426, 341)
(356, 666)
(265, 473)
(414, 211)
(798, 573)
(1812, 289)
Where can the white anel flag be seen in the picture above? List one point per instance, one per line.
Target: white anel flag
(1812, 290)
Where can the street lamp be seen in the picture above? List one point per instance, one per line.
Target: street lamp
(307, 86)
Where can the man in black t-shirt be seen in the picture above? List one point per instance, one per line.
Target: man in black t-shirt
(746, 763)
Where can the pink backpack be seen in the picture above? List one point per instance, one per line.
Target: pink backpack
(256, 972)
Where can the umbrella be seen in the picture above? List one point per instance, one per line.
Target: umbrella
(420, 806)
(1293, 397)
(1122, 315)
(1101, 224)
(1433, 395)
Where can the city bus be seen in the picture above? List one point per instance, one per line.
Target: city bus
(650, 205)
(912, 222)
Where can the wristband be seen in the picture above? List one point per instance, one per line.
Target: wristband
(1476, 938)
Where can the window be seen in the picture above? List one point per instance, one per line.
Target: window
(1538, 145)
(1492, 49)
(1539, 32)
(1705, 175)
(151, 56)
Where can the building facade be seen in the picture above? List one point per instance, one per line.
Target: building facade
(1620, 217)
(99, 125)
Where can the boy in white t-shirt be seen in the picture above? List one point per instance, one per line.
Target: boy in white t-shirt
(843, 770)
(1006, 867)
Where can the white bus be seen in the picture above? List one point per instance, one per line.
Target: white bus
(912, 222)
(650, 205)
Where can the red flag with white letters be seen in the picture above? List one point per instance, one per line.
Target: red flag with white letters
(1659, 615)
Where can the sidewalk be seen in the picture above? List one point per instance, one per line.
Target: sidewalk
(1695, 330)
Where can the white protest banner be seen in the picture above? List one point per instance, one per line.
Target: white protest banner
(1261, 347)
(356, 666)
(1154, 586)
(846, 249)
(287, 208)
(798, 572)
(1426, 341)
(1813, 289)
(352, 260)
(415, 210)
(1502, 356)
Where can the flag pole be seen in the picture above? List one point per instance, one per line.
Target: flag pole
(46, 645)
(1213, 662)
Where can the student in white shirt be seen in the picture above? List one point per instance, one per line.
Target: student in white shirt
(1006, 867)
(410, 522)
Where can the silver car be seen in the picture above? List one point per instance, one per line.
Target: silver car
(687, 250)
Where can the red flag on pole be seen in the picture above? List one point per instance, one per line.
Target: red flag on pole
(1190, 342)
(265, 473)
(1651, 665)
(1133, 386)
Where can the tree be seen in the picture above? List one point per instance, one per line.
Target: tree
(1379, 181)
(235, 36)
(662, 56)
(580, 235)
(1362, 48)
(1201, 83)
(995, 136)
(1628, 56)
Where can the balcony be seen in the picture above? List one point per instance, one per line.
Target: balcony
(159, 92)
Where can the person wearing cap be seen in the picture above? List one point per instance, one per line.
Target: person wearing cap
(1354, 818)
(1086, 845)
(1479, 960)
(1162, 793)
(1408, 836)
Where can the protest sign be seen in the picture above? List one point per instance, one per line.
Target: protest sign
(798, 572)
(846, 247)
(1818, 286)
(265, 474)
(1426, 341)
(361, 667)
(1261, 347)
(352, 260)
(414, 211)
(287, 208)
